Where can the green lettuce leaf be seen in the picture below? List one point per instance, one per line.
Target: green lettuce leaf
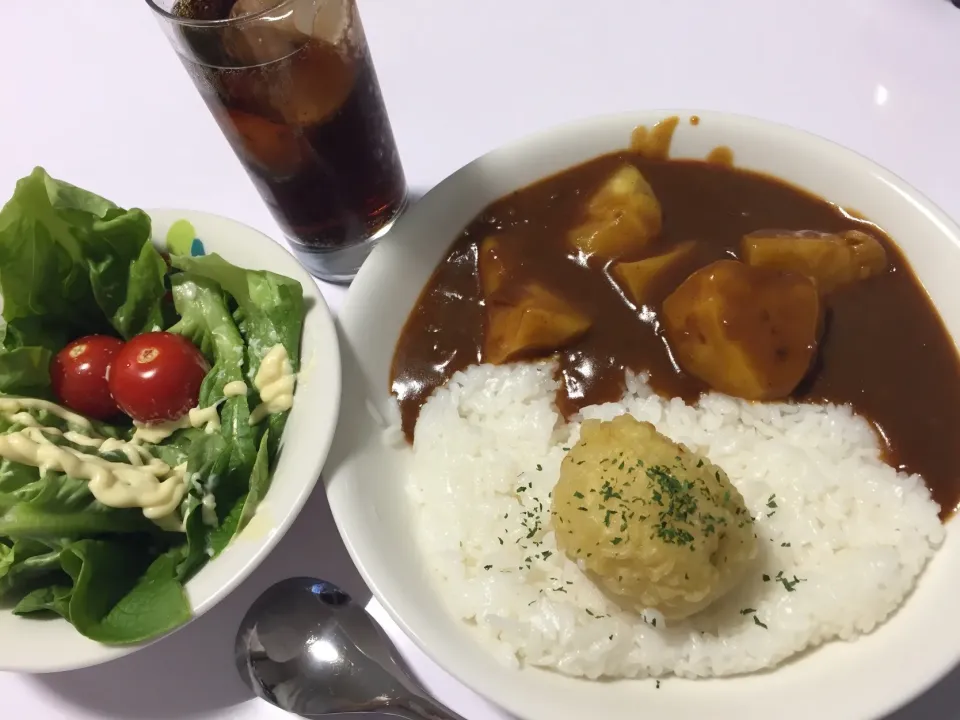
(272, 305)
(119, 595)
(71, 258)
(243, 510)
(27, 346)
(129, 290)
(6, 558)
(57, 506)
(222, 462)
(54, 598)
(209, 461)
(30, 564)
(175, 450)
(270, 308)
(14, 476)
(42, 272)
(26, 371)
(208, 323)
(71, 264)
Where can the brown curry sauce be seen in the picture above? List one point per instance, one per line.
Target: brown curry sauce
(885, 350)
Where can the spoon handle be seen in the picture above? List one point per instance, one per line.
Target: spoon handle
(423, 708)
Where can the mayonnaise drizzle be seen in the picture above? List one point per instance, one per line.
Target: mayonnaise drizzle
(14, 405)
(235, 388)
(208, 509)
(207, 417)
(155, 487)
(153, 433)
(77, 438)
(274, 382)
(157, 432)
(135, 453)
(24, 418)
(147, 482)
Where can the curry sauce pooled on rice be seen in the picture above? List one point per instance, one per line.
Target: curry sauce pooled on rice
(651, 401)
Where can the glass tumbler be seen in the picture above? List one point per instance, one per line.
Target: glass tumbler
(293, 88)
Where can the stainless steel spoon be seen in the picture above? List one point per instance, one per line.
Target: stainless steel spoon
(305, 647)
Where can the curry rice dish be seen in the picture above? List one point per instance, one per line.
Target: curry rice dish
(671, 416)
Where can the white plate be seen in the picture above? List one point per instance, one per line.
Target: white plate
(31, 645)
(365, 478)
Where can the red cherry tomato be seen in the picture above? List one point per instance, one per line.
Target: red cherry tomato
(79, 374)
(156, 376)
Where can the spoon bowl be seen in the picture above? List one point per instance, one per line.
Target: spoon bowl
(307, 648)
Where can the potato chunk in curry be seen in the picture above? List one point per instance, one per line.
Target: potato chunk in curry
(832, 260)
(529, 321)
(491, 265)
(622, 217)
(655, 525)
(746, 331)
(637, 278)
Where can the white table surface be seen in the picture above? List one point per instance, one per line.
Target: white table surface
(92, 92)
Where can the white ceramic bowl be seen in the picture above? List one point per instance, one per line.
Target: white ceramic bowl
(36, 646)
(365, 478)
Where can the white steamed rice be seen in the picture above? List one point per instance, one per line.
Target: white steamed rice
(853, 532)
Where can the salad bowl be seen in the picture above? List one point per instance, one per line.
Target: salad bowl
(46, 641)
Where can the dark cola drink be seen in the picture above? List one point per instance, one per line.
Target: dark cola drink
(292, 86)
